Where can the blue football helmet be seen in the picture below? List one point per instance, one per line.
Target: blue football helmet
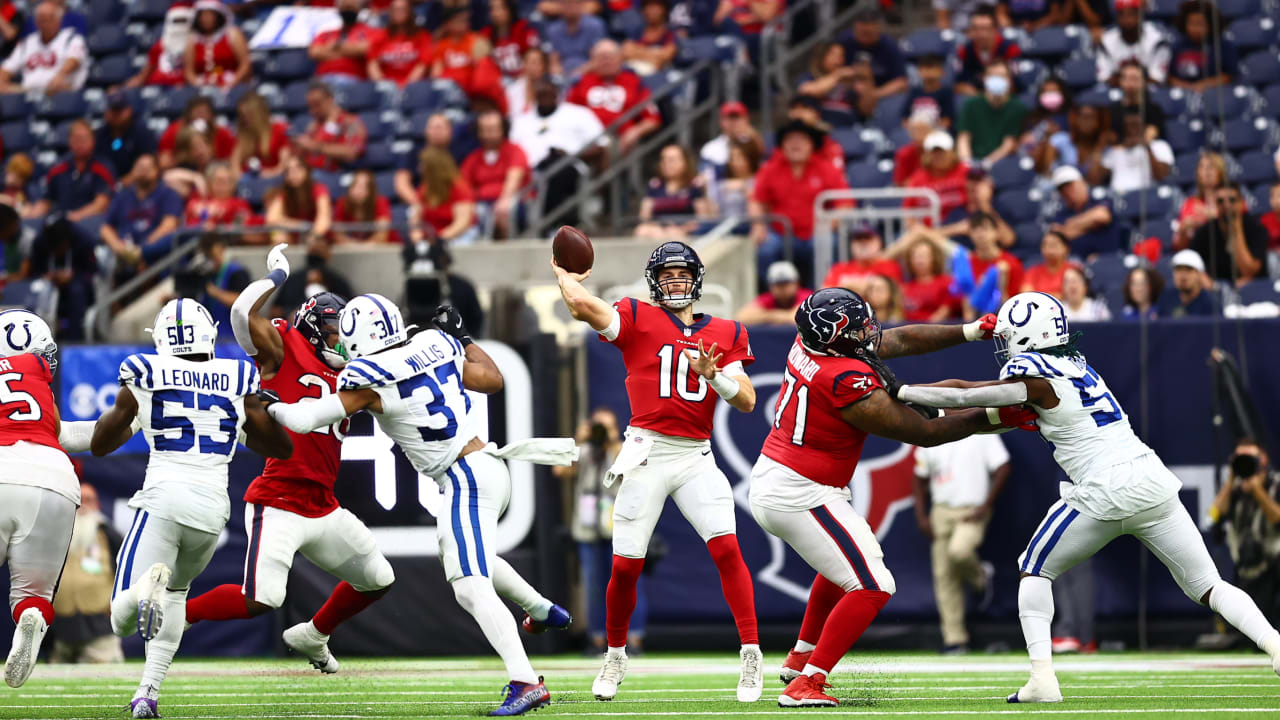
(836, 321)
(674, 255)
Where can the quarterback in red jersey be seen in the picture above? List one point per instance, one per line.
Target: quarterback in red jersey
(291, 508)
(833, 396)
(674, 357)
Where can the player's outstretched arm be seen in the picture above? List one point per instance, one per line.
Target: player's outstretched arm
(582, 305)
(254, 332)
(993, 393)
(921, 339)
(479, 372)
(879, 414)
(115, 427)
(310, 415)
(262, 434)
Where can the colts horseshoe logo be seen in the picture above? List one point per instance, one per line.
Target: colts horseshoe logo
(351, 313)
(8, 336)
(1030, 306)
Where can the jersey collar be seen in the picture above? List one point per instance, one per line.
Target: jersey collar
(700, 320)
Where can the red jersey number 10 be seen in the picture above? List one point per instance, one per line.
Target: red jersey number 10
(800, 393)
(671, 358)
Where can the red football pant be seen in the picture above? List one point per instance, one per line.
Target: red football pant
(823, 597)
(735, 582)
(620, 598)
(342, 605)
(850, 618)
(225, 602)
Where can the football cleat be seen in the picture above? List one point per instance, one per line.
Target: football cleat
(1062, 645)
(150, 593)
(557, 618)
(807, 691)
(523, 698)
(751, 679)
(313, 645)
(1039, 689)
(145, 705)
(26, 646)
(605, 686)
(793, 667)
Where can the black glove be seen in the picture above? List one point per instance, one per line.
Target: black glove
(449, 321)
(891, 382)
(267, 397)
(929, 413)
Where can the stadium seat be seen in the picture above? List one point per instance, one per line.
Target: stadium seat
(840, 118)
(1019, 206)
(1257, 167)
(172, 102)
(1013, 171)
(108, 40)
(331, 180)
(14, 106)
(1052, 43)
(888, 112)
(464, 137)
(929, 41)
(413, 127)
(375, 126)
(1157, 202)
(1271, 100)
(1251, 34)
(1095, 96)
(356, 97)
(224, 102)
(1185, 137)
(1184, 169)
(1245, 135)
(16, 137)
(58, 137)
(109, 71)
(854, 143)
(719, 48)
(1028, 73)
(292, 100)
(420, 96)
(1166, 10)
(1028, 235)
(386, 184)
(378, 155)
(148, 11)
(286, 66)
(1173, 101)
(1260, 291)
(298, 124)
(870, 174)
(253, 189)
(1223, 102)
(1261, 68)
(1239, 9)
(62, 105)
(627, 23)
(1107, 274)
(1078, 73)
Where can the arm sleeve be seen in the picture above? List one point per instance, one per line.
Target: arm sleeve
(245, 302)
(989, 396)
(74, 436)
(305, 417)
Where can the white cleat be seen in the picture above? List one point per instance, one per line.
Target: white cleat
(605, 686)
(1275, 663)
(751, 680)
(310, 643)
(26, 646)
(150, 593)
(1043, 689)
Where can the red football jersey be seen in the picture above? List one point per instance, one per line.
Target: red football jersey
(302, 483)
(27, 410)
(808, 435)
(666, 396)
(609, 99)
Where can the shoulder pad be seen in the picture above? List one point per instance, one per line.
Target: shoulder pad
(1029, 364)
(136, 370)
(363, 373)
(247, 378)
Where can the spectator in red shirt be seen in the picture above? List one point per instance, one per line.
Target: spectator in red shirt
(808, 110)
(884, 295)
(1271, 218)
(941, 171)
(510, 37)
(438, 134)
(219, 207)
(217, 54)
(777, 305)
(363, 204)
(653, 47)
(334, 138)
(199, 116)
(343, 54)
(927, 296)
(495, 171)
(610, 90)
(987, 255)
(1047, 276)
(676, 193)
(866, 258)
(907, 158)
(463, 57)
(787, 185)
(447, 203)
(166, 60)
(301, 204)
(262, 145)
(749, 15)
(403, 53)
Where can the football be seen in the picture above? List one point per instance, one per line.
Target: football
(572, 249)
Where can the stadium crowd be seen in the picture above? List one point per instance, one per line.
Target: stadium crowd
(1080, 148)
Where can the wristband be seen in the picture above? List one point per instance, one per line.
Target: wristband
(725, 386)
(972, 331)
(993, 415)
(465, 340)
(277, 277)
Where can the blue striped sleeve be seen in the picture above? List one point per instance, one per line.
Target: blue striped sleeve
(253, 380)
(354, 377)
(130, 370)
(372, 368)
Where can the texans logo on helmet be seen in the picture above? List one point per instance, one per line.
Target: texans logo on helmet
(828, 323)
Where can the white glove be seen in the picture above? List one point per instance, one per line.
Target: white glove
(276, 259)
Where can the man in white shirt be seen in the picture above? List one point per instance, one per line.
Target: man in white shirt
(963, 479)
(735, 124)
(552, 125)
(50, 60)
(1133, 39)
(1136, 163)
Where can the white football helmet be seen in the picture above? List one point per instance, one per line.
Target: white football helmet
(184, 327)
(369, 324)
(24, 332)
(1029, 321)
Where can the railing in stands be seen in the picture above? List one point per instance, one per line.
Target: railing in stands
(881, 208)
(778, 52)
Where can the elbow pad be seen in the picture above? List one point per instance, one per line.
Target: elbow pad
(989, 396)
(308, 415)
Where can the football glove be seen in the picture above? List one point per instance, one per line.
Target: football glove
(268, 397)
(981, 329)
(1014, 416)
(928, 413)
(890, 381)
(449, 321)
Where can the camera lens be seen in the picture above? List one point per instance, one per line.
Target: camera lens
(1243, 466)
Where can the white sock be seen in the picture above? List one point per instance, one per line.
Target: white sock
(515, 588)
(164, 645)
(616, 651)
(313, 632)
(124, 613)
(811, 670)
(477, 596)
(804, 647)
(751, 645)
(1035, 611)
(1236, 607)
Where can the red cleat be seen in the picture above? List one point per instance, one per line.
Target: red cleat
(794, 666)
(807, 691)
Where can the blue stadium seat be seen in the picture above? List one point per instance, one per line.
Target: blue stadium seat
(1078, 73)
(869, 174)
(888, 112)
(1107, 275)
(385, 181)
(1013, 171)
(414, 126)
(1237, 9)
(1028, 235)
(172, 102)
(112, 70)
(1260, 291)
(1055, 42)
(14, 106)
(375, 127)
(1184, 169)
(224, 103)
(1173, 101)
(253, 189)
(1242, 135)
(1165, 10)
(59, 137)
(626, 23)
(99, 13)
(464, 138)
(420, 96)
(285, 66)
(17, 137)
(108, 40)
(356, 97)
(1225, 102)
(840, 118)
(1261, 68)
(1095, 96)
(1251, 34)
(331, 180)
(1271, 100)
(929, 41)
(298, 124)
(1019, 206)
(148, 11)
(292, 100)
(855, 146)
(1157, 202)
(1184, 137)
(719, 48)
(1029, 73)
(62, 105)
(1257, 167)
(378, 155)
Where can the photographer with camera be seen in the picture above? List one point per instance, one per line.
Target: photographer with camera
(1248, 506)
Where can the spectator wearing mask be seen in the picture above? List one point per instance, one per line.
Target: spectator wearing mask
(866, 258)
(79, 186)
(677, 192)
(1032, 15)
(301, 204)
(1077, 301)
(991, 123)
(462, 56)
(1082, 220)
(652, 47)
(1089, 129)
(610, 91)
(82, 608)
(217, 53)
(931, 96)
(198, 116)
(224, 283)
(63, 255)
(955, 486)
(1203, 57)
(1045, 139)
(166, 60)
(1200, 206)
(262, 144)
(735, 126)
(1142, 287)
(1271, 218)
(52, 59)
(1134, 95)
(572, 39)
(334, 139)
(447, 201)
(362, 204)
(777, 305)
(885, 298)
(496, 171)
(941, 171)
(1248, 508)
(868, 39)
(403, 52)
(788, 185)
(906, 159)
(1187, 297)
(520, 90)
(1047, 277)
(123, 136)
(1136, 162)
(438, 134)
(318, 277)
(219, 207)
(192, 156)
(143, 216)
(807, 110)
(985, 46)
(510, 37)
(927, 295)
(830, 80)
(731, 194)
(342, 54)
(1234, 246)
(1133, 38)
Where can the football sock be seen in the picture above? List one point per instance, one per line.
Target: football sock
(620, 598)
(39, 603)
(1237, 608)
(1035, 611)
(735, 581)
(225, 602)
(823, 596)
(343, 603)
(849, 620)
(803, 647)
(477, 596)
(515, 588)
(164, 645)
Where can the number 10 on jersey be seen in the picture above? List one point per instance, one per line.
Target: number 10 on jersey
(670, 358)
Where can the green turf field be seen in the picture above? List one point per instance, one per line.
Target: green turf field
(877, 685)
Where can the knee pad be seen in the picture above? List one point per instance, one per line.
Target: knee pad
(379, 574)
(1035, 597)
